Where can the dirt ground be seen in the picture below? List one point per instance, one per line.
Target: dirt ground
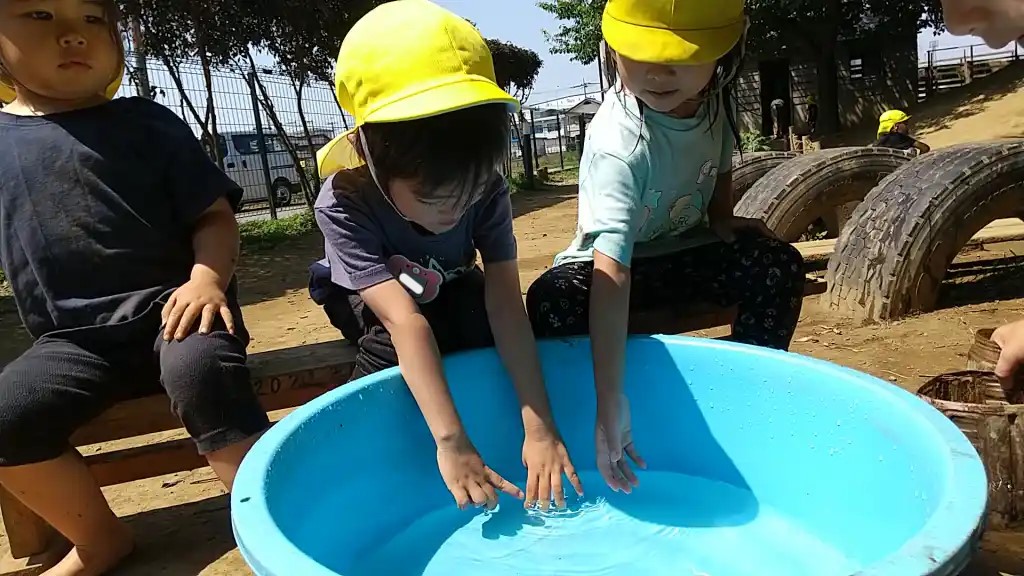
(182, 520)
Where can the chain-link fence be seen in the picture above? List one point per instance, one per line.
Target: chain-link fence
(263, 129)
(556, 132)
(260, 126)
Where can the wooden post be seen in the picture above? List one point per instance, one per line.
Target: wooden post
(28, 534)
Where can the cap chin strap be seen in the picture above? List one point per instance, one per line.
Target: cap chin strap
(373, 173)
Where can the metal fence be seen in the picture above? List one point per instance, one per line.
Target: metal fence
(264, 130)
(257, 124)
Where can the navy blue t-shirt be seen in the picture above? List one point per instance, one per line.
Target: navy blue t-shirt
(97, 210)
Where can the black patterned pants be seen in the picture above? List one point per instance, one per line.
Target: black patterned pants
(763, 277)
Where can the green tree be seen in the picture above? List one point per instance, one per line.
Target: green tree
(515, 68)
(579, 36)
(808, 28)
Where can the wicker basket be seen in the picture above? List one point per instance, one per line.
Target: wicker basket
(974, 401)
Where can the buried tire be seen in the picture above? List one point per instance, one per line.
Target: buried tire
(891, 258)
(818, 186)
(749, 167)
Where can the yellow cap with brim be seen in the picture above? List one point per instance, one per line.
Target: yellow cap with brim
(407, 60)
(7, 94)
(688, 32)
(889, 119)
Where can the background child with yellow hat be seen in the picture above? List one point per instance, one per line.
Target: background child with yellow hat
(894, 132)
(414, 194)
(121, 255)
(655, 205)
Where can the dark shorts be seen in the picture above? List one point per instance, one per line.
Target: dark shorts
(457, 317)
(61, 383)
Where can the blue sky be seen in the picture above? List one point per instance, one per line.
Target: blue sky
(521, 22)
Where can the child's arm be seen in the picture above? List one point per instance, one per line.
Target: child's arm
(921, 146)
(215, 243)
(463, 471)
(513, 338)
(356, 253)
(420, 360)
(609, 323)
(610, 186)
(544, 453)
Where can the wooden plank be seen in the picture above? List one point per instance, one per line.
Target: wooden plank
(27, 534)
(282, 379)
(32, 566)
(1002, 230)
(142, 462)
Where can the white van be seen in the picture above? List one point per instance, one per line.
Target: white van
(243, 164)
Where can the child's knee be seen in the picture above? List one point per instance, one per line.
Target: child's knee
(25, 437)
(772, 253)
(208, 383)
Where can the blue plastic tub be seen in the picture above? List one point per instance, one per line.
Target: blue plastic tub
(760, 463)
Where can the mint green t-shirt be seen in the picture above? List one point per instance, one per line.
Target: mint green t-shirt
(645, 183)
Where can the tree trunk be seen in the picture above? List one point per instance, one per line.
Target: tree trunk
(144, 88)
(268, 105)
(211, 108)
(175, 75)
(308, 193)
(829, 119)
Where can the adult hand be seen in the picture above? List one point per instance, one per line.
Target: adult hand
(1010, 339)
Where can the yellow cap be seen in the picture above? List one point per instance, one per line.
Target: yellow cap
(7, 94)
(890, 118)
(406, 60)
(673, 31)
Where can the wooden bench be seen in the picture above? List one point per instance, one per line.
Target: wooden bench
(283, 379)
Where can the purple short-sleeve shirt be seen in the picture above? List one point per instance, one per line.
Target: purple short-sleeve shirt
(367, 242)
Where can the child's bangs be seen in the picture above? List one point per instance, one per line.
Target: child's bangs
(452, 156)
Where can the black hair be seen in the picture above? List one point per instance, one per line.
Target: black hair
(452, 155)
(726, 71)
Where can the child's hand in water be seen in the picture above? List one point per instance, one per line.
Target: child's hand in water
(614, 437)
(546, 459)
(727, 228)
(469, 480)
(198, 300)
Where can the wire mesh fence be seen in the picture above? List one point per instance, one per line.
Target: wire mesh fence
(263, 128)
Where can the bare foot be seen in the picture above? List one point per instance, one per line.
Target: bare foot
(98, 558)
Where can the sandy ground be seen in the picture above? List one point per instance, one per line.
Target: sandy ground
(182, 519)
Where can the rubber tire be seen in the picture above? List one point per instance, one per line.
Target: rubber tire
(749, 167)
(891, 258)
(279, 184)
(813, 186)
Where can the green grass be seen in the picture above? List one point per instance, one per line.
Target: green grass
(268, 234)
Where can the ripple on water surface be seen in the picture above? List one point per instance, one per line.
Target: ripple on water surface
(672, 524)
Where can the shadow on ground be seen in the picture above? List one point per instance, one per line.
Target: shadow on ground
(180, 540)
(273, 272)
(528, 201)
(996, 280)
